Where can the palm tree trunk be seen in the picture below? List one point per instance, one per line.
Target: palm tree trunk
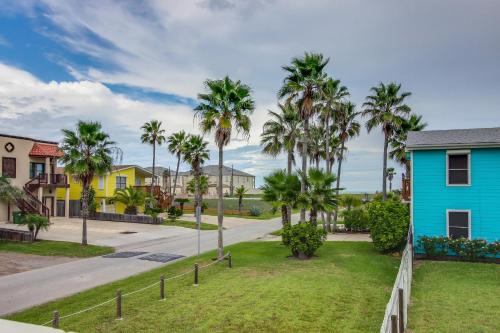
(240, 202)
(220, 207)
(384, 168)
(284, 215)
(304, 167)
(289, 172)
(390, 185)
(198, 205)
(85, 212)
(328, 170)
(154, 173)
(339, 169)
(176, 173)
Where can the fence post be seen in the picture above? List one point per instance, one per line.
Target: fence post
(118, 304)
(401, 304)
(55, 319)
(229, 260)
(195, 275)
(394, 324)
(162, 287)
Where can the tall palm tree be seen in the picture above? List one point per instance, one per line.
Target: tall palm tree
(305, 77)
(386, 108)
(282, 191)
(154, 135)
(346, 119)
(195, 152)
(226, 105)
(240, 192)
(398, 141)
(87, 153)
(320, 195)
(317, 143)
(390, 176)
(131, 198)
(176, 143)
(282, 132)
(332, 94)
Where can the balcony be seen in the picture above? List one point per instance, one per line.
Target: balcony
(406, 188)
(53, 180)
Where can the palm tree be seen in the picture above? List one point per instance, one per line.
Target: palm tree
(390, 176)
(131, 198)
(9, 193)
(281, 133)
(203, 184)
(320, 195)
(348, 128)
(332, 93)
(398, 141)
(282, 191)
(350, 201)
(87, 153)
(195, 152)
(240, 192)
(317, 143)
(305, 77)
(176, 143)
(154, 135)
(386, 108)
(225, 106)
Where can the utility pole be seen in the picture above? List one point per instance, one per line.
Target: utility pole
(231, 185)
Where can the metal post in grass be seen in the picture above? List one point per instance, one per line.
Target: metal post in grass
(401, 310)
(118, 304)
(196, 275)
(394, 324)
(55, 319)
(162, 287)
(229, 260)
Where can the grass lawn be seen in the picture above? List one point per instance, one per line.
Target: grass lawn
(189, 224)
(344, 289)
(455, 297)
(55, 248)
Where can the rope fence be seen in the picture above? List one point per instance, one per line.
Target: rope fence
(56, 318)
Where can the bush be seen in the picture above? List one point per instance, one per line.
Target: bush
(467, 249)
(303, 239)
(434, 246)
(356, 219)
(389, 222)
(152, 211)
(254, 211)
(494, 248)
(35, 223)
(173, 213)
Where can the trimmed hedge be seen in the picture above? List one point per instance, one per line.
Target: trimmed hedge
(465, 249)
(303, 239)
(389, 223)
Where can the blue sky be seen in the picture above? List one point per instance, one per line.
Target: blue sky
(125, 62)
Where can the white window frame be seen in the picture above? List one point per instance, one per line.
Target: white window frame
(458, 152)
(469, 224)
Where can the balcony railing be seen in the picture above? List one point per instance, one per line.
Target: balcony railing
(43, 179)
(406, 189)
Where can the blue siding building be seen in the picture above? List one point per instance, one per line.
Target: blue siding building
(455, 183)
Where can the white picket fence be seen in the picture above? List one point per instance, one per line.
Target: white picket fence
(396, 312)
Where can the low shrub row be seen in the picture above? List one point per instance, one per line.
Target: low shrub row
(356, 219)
(466, 249)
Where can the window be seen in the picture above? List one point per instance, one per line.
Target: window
(100, 183)
(36, 169)
(138, 181)
(458, 223)
(458, 168)
(121, 182)
(9, 167)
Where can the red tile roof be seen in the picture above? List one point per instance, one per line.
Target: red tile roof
(45, 150)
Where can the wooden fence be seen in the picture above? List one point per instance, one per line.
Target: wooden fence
(16, 235)
(396, 312)
(145, 219)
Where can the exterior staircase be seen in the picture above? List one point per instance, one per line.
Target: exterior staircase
(29, 203)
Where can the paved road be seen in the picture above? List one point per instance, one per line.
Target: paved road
(23, 290)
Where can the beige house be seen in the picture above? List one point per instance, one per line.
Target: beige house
(30, 164)
(231, 178)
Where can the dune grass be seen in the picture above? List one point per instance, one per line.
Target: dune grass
(344, 289)
(55, 248)
(455, 297)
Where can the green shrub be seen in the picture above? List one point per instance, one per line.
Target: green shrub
(35, 223)
(467, 249)
(173, 213)
(255, 211)
(303, 239)
(494, 248)
(152, 211)
(356, 219)
(434, 246)
(389, 222)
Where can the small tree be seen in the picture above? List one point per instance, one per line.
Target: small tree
(282, 191)
(35, 223)
(390, 176)
(240, 192)
(8, 193)
(131, 198)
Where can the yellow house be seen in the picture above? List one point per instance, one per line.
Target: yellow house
(121, 176)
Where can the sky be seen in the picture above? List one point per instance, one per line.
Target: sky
(126, 62)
